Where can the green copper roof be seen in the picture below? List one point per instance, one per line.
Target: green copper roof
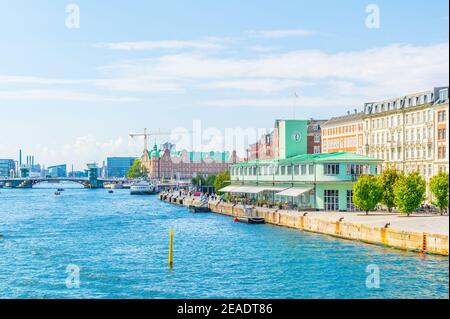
(317, 158)
(215, 156)
(193, 156)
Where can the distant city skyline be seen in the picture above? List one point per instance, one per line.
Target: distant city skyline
(72, 95)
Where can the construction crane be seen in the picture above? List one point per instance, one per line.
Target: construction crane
(146, 135)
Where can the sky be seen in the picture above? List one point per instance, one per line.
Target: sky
(77, 77)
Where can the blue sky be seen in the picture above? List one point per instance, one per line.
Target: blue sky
(73, 95)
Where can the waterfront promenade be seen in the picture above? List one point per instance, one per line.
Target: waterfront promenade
(435, 224)
(418, 233)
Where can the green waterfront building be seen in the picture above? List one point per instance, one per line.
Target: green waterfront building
(308, 181)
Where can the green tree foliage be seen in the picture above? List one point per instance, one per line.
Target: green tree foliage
(388, 179)
(198, 181)
(221, 180)
(439, 188)
(409, 192)
(367, 192)
(137, 170)
(210, 180)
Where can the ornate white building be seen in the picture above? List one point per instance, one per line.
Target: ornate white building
(441, 132)
(402, 131)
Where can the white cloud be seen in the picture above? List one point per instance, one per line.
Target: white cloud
(139, 84)
(61, 95)
(257, 85)
(376, 73)
(13, 79)
(210, 44)
(275, 34)
(301, 102)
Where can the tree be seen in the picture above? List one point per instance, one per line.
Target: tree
(367, 193)
(409, 192)
(387, 180)
(222, 180)
(439, 188)
(198, 181)
(137, 170)
(210, 180)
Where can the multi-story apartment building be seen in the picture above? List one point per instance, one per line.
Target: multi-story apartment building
(315, 136)
(401, 131)
(268, 146)
(262, 149)
(344, 134)
(7, 168)
(57, 170)
(441, 115)
(118, 166)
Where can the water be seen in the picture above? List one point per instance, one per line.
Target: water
(120, 243)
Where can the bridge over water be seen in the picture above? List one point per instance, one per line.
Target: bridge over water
(29, 182)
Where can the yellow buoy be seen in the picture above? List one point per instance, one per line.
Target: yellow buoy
(171, 249)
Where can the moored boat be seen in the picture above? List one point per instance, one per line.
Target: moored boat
(250, 220)
(143, 188)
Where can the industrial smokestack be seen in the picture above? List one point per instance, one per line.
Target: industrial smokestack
(20, 158)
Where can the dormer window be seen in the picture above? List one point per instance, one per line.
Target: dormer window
(443, 95)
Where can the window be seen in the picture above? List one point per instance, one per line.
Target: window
(442, 133)
(357, 169)
(316, 149)
(350, 205)
(296, 170)
(443, 95)
(331, 169)
(331, 200)
(441, 152)
(441, 116)
(289, 170)
(283, 170)
(303, 169)
(311, 169)
(316, 127)
(316, 138)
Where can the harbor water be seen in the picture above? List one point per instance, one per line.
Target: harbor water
(118, 245)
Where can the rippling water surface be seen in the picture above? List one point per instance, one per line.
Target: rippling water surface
(120, 243)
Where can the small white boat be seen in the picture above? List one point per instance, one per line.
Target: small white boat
(143, 188)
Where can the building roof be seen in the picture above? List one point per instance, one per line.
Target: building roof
(192, 156)
(344, 119)
(315, 158)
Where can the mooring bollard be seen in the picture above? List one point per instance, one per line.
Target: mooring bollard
(171, 249)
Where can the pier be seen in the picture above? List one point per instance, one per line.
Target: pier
(423, 234)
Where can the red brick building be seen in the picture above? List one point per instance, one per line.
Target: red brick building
(168, 163)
